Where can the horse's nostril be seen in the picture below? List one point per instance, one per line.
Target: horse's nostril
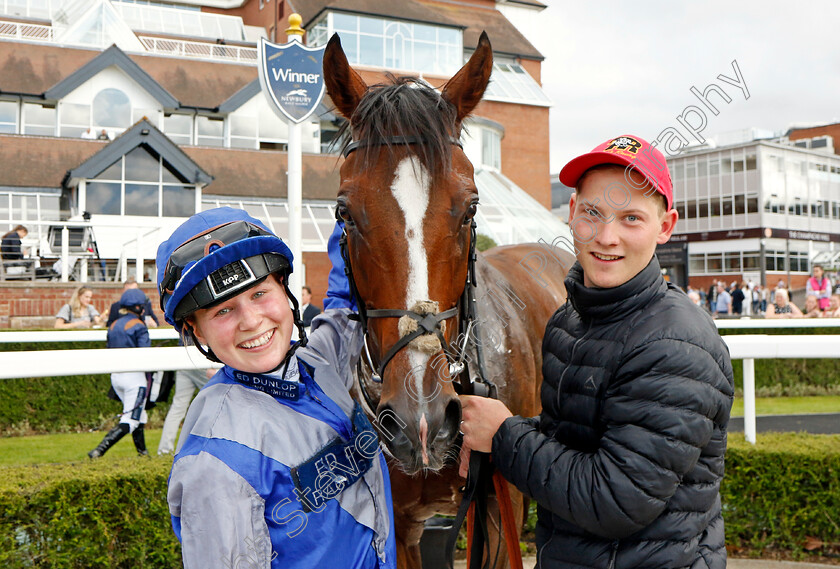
(451, 421)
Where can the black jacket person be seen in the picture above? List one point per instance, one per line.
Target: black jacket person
(626, 458)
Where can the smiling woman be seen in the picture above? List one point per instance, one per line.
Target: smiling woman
(223, 283)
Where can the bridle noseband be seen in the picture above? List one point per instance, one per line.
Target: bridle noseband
(427, 323)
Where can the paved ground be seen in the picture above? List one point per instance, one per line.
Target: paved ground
(529, 562)
(818, 424)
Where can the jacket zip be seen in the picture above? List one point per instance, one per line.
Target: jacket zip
(540, 552)
(613, 554)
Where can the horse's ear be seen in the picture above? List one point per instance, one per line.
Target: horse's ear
(344, 86)
(467, 87)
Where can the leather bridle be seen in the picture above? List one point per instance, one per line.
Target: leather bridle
(465, 310)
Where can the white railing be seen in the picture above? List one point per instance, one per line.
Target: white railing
(200, 50)
(48, 363)
(747, 347)
(30, 32)
(753, 323)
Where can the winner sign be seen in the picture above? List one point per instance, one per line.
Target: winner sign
(291, 76)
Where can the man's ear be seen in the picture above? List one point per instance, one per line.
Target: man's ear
(668, 222)
(572, 201)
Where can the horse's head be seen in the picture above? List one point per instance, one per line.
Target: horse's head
(407, 198)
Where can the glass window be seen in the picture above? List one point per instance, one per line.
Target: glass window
(703, 208)
(111, 108)
(141, 199)
(678, 171)
(112, 172)
(178, 128)
(169, 176)
(681, 210)
(714, 263)
(210, 131)
(103, 197)
(726, 205)
(690, 170)
(141, 165)
(732, 261)
(738, 165)
(702, 169)
(178, 201)
(8, 116)
(752, 205)
(491, 149)
(740, 204)
(715, 207)
(751, 261)
(697, 263)
(751, 162)
(725, 165)
(38, 119)
(714, 167)
(75, 120)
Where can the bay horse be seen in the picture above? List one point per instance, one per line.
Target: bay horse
(407, 198)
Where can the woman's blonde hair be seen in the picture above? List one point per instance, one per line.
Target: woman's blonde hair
(75, 303)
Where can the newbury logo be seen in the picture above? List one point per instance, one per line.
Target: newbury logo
(624, 145)
(291, 77)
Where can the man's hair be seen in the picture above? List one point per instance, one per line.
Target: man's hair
(661, 202)
(307, 289)
(820, 267)
(127, 283)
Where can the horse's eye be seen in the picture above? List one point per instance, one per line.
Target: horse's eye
(471, 211)
(344, 214)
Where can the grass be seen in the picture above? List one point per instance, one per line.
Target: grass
(66, 447)
(789, 405)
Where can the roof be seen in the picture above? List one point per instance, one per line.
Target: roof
(235, 172)
(143, 133)
(36, 69)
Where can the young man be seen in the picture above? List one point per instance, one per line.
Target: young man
(626, 458)
(308, 310)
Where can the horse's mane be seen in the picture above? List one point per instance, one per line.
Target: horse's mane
(404, 106)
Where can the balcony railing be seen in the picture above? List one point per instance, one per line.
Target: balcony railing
(199, 50)
(28, 32)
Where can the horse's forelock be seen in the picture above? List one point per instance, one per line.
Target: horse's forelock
(408, 107)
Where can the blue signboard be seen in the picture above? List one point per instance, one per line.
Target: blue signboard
(291, 76)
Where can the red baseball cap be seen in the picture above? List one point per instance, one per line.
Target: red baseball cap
(625, 150)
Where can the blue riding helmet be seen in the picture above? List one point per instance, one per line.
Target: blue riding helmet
(214, 255)
(133, 297)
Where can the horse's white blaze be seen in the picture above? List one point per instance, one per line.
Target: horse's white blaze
(411, 190)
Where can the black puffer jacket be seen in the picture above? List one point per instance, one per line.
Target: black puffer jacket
(626, 458)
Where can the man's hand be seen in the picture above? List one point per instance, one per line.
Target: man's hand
(482, 417)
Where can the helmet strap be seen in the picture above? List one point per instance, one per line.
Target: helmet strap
(206, 352)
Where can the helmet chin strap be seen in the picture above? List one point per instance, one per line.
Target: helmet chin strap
(284, 363)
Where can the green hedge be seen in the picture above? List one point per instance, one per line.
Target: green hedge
(780, 491)
(790, 377)
(113, 513)
(104, 514)
(61, 404)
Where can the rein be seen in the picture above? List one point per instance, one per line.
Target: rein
(481, 472)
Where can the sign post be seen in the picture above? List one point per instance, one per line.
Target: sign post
(292, 79)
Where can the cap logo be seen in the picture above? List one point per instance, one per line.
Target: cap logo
(624, 145)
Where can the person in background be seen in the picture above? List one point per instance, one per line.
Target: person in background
(782, 307)
(723, 304)
(128, 331)
(819, 286)
(711, 297)
(833, 306)
(812, 307)
(308, 310)
(10, 247)
(695, 298)
(79, 312)
(756, 300)
(186, 383)
(737, 299)
(148, 316)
